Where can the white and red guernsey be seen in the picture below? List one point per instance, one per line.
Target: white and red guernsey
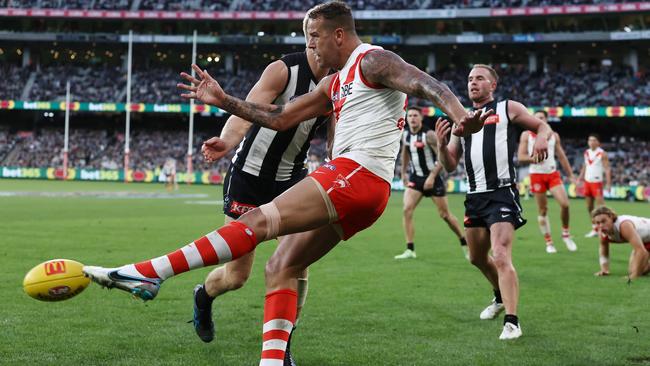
(548, 165)
(369, 117)
(594, 165)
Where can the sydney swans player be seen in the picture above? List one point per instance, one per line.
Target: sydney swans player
(623, 229)
(596, 166)
(544, 176)
(339, 199)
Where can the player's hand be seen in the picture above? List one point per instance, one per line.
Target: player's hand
(428, 184)
(472, 122)
(205, 88)
(442, 132)
(601, 273)
(405, 181)
(214, 149)
(608, 187)
(540, 150)
(573, 180)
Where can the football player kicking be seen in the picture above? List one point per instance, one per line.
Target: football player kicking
(544, 176)
(623, 229)
(367, 97)
(266, 164)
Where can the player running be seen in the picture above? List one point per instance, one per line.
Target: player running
(596, 164)
(367, 98)
(265, 165)
(492, 209)
(544, 176)
(623, 229)
(419, 148)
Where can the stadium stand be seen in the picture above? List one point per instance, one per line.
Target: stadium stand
(588, 86)
(281, 5)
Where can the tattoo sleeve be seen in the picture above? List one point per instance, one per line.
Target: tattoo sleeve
(386, 68)
(265, 115)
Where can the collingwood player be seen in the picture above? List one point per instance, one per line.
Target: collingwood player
(266, 164)
(423, 179)
(492, 209)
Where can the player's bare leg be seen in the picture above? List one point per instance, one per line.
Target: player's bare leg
(443, 210)
(478, 241)
(559, 193)
(543, 221)
(501, 235)
(301, 208)
(412, 198)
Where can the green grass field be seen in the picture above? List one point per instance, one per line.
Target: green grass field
(364, 308)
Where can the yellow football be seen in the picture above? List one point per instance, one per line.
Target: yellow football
(55, 280)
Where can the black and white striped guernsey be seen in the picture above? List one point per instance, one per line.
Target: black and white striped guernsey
(489, 153)
(422, 157)
(281, 156)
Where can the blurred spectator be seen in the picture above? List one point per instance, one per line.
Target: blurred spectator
(283, 5)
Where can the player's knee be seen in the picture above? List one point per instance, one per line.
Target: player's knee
(408, 211)
(444, 215)
(501, 259)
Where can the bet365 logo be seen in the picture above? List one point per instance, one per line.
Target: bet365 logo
(55, 267)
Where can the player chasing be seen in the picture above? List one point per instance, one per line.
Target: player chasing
(492, 209)
(419, 148)
(623, 229)
(544, 176)
(367, 98)
(591, 177)
(266, 164)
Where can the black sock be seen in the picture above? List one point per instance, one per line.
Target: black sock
(463, 242)
(497, 297)
(410, 246)
(509, 318)
(203, 300)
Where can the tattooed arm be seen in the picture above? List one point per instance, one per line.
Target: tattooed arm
(275, 117)
(388, 69)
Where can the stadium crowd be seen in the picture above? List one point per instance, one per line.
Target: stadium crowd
(586, 86)
(282, 5)
(101, 149)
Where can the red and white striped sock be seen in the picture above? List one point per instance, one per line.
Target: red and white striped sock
(280, 310)
(229, 242)
(565, 232)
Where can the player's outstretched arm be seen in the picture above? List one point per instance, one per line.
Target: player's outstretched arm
(266, 90)
(385, 68)
(276, 117)
(519, 114)
(639, 259)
